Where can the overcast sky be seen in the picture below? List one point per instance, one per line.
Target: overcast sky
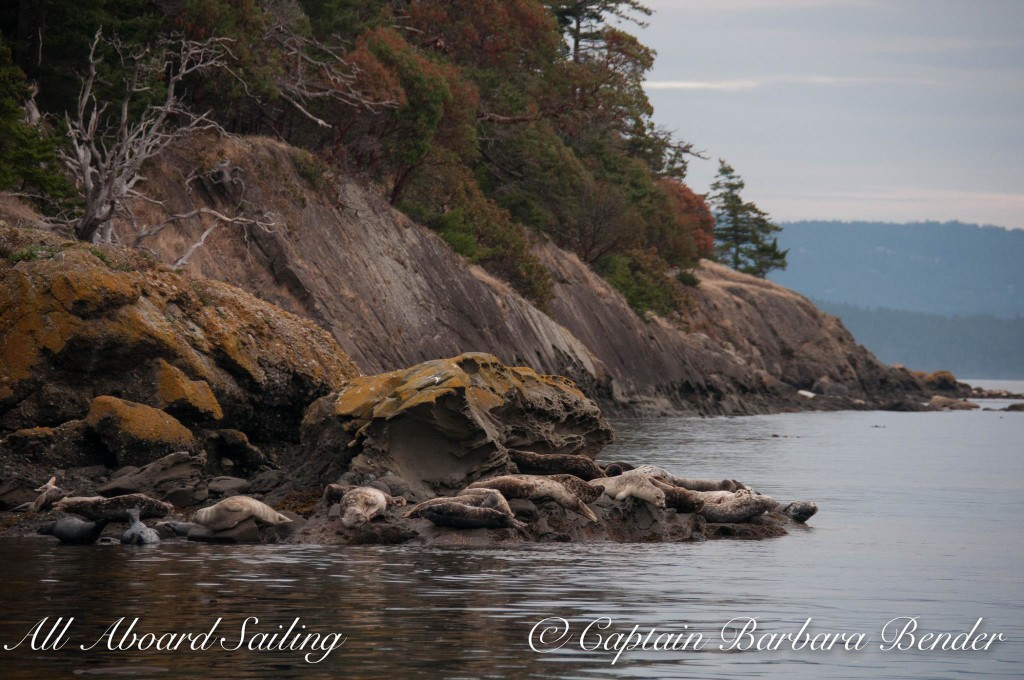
(894, 110)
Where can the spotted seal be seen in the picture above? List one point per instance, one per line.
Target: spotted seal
(535, 487)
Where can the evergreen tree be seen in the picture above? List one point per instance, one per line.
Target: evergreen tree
(28, 161)
(744, 234)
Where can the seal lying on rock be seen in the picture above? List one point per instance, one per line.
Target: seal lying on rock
(588, 493)
(664, 475)
(679, 498)
(138, 533)
(361, 504)
(735, 507)
(478, 508)
(49, 494)
(74, 531)
(555, 463)
(236, 509)
(637, 486)
(534, 487)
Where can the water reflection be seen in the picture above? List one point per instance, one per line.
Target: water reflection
(914, 521)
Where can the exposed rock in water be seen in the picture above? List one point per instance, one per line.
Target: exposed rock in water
(443, 423)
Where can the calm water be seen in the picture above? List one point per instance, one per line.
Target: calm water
(921, 515)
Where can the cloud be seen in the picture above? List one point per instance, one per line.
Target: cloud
(758, 83)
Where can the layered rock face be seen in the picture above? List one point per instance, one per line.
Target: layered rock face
(394, 294)
(445, 423)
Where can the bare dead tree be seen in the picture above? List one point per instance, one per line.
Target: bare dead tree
(109, 144)
(314, 70)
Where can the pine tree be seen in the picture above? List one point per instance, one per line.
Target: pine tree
(744, 234)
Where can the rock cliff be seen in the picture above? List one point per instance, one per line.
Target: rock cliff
(393, 294)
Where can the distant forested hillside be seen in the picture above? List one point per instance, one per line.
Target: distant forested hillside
(969, 346)
(929, 267)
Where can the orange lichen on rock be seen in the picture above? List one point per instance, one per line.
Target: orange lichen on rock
(441, 422)
(192, 399)
(135, 433)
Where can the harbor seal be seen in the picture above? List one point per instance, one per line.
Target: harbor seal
(617, 468)
(49, 494)
(534, 487)
(479, 508)
(138, 533)
(684, 482)
(679, 498)
(637, 486)
(586, 492)
(234, 510)
(734, 507)
(800, 511)
(555, 463)
(74, 531)
(362, 503)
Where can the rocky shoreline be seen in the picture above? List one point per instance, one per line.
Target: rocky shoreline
(133, 386)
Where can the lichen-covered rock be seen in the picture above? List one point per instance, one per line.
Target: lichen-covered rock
(178, 479)
(444, 423)
(188, 400)
(135, 433)
(77, 321)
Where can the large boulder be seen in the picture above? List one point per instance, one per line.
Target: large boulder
(178, 479)
(135, 433)
(77, 321)
(444, 423)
